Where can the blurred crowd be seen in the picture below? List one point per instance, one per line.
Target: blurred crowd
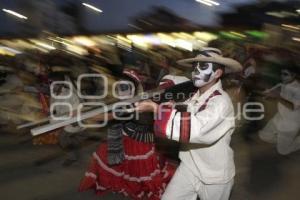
(25, 78)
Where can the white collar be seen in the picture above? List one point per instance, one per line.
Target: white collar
(197, 96)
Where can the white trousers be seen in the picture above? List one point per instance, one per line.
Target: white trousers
(186, 186)
(286, 142)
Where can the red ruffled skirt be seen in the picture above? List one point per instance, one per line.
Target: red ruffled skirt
(142, 175)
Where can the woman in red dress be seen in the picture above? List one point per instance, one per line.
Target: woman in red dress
(128, 162)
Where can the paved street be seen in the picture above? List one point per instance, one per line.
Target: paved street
(261, 172)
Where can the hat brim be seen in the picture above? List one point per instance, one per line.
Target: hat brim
(231, 65)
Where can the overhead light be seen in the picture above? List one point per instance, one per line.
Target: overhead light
(296, 39)
(204, 2)
(230, 35)
(10, 50)
(76, 49)
(201, 41)
(275, 14)
(282, 14)
(186, 35)
(136, 27)
(152, 39)
(213, 2)
(289, 14)
(124, 43)
(183, 44)
(138, 39)
(238, 34)
(205, 36)
(14, 13)
(166, 39)
(58, 41)
(298, 11)
(257, 34)
(44, 45)
(92, 7)
(208, 2)
(290, 26)
(84, 41)
(177, 35)
(123, 39)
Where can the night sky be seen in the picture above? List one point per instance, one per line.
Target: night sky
(116, 13)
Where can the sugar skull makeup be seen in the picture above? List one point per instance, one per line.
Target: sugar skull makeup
(203, 74)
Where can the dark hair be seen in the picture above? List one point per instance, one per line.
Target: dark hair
(217, 66)
(291, 67)
(57, 76)
(135, 82)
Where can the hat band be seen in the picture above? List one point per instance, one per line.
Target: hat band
(206, 53)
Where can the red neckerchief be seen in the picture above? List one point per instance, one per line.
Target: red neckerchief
(203, 106)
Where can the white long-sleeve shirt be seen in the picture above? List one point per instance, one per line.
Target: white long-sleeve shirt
(288, 120)
(205, 132)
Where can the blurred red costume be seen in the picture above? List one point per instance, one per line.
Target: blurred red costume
(140, 175)
(143, 174)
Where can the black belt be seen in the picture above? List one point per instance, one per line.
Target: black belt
(139, 132)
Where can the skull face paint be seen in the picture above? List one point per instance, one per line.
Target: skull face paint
(203, 74)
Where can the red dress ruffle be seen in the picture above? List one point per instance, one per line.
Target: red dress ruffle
(140, 176)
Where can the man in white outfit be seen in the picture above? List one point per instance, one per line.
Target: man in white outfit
(283, 128)
(204, 130)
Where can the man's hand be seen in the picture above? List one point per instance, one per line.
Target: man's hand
(146, 106)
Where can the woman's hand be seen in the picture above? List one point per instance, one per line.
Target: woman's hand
(146, 106)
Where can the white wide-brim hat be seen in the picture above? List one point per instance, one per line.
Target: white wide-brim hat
(213, 55)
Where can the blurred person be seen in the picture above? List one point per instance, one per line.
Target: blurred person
(11, 103)
(108, 58)
(248, 81)
(249, 68)
(283, 128)
(43, 88)
(9, 80)
(128, 162)
(159, 64)
(72, 136)
(43, 91)
(204, 130)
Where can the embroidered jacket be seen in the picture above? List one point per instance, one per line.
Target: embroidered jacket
(205, 131)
